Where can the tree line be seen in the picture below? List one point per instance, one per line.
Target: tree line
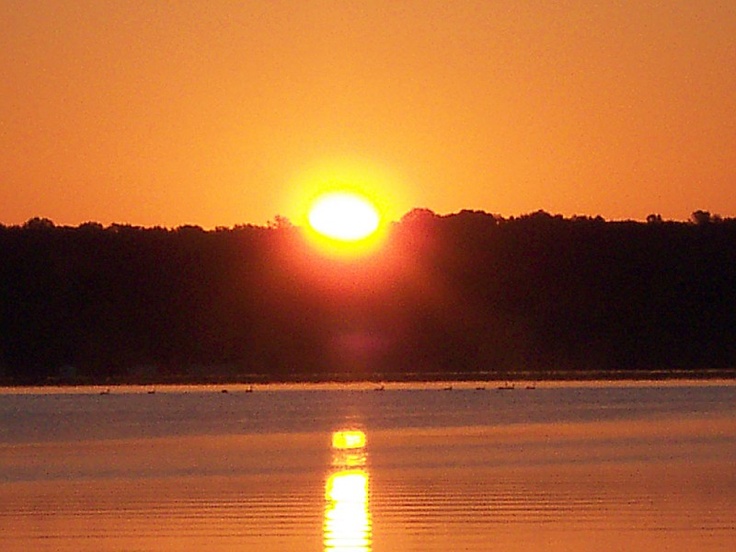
(469, 294)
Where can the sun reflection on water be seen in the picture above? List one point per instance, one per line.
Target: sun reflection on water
(347, 525)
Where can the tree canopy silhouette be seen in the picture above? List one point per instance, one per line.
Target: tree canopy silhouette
(464, 295)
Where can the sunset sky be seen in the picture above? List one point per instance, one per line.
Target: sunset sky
(221, 113)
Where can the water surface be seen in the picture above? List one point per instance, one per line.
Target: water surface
(561, 467)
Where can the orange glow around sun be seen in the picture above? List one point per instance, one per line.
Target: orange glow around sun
(345, 205)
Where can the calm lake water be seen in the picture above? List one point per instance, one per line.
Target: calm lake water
(572, 467)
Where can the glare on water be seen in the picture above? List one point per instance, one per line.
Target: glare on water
(347, 513)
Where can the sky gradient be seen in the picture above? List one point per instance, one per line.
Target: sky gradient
(221, 113)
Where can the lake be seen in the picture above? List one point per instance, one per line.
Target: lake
(413, 467)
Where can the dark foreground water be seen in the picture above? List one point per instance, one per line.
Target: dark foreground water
(561, 467)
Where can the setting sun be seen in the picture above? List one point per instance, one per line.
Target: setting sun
(343, 216)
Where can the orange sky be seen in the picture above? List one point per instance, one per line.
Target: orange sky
(219, 113)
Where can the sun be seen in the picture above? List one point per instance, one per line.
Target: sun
(344, 216)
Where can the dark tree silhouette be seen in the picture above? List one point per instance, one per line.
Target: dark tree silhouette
(464, 295)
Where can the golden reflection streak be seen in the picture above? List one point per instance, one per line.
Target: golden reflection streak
(347, 523)
(348, 439)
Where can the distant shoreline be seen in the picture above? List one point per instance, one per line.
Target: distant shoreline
(490, 379)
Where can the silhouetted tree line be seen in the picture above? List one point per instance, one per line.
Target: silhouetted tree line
(469, 293)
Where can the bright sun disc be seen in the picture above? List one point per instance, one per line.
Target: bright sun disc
(343, 216)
